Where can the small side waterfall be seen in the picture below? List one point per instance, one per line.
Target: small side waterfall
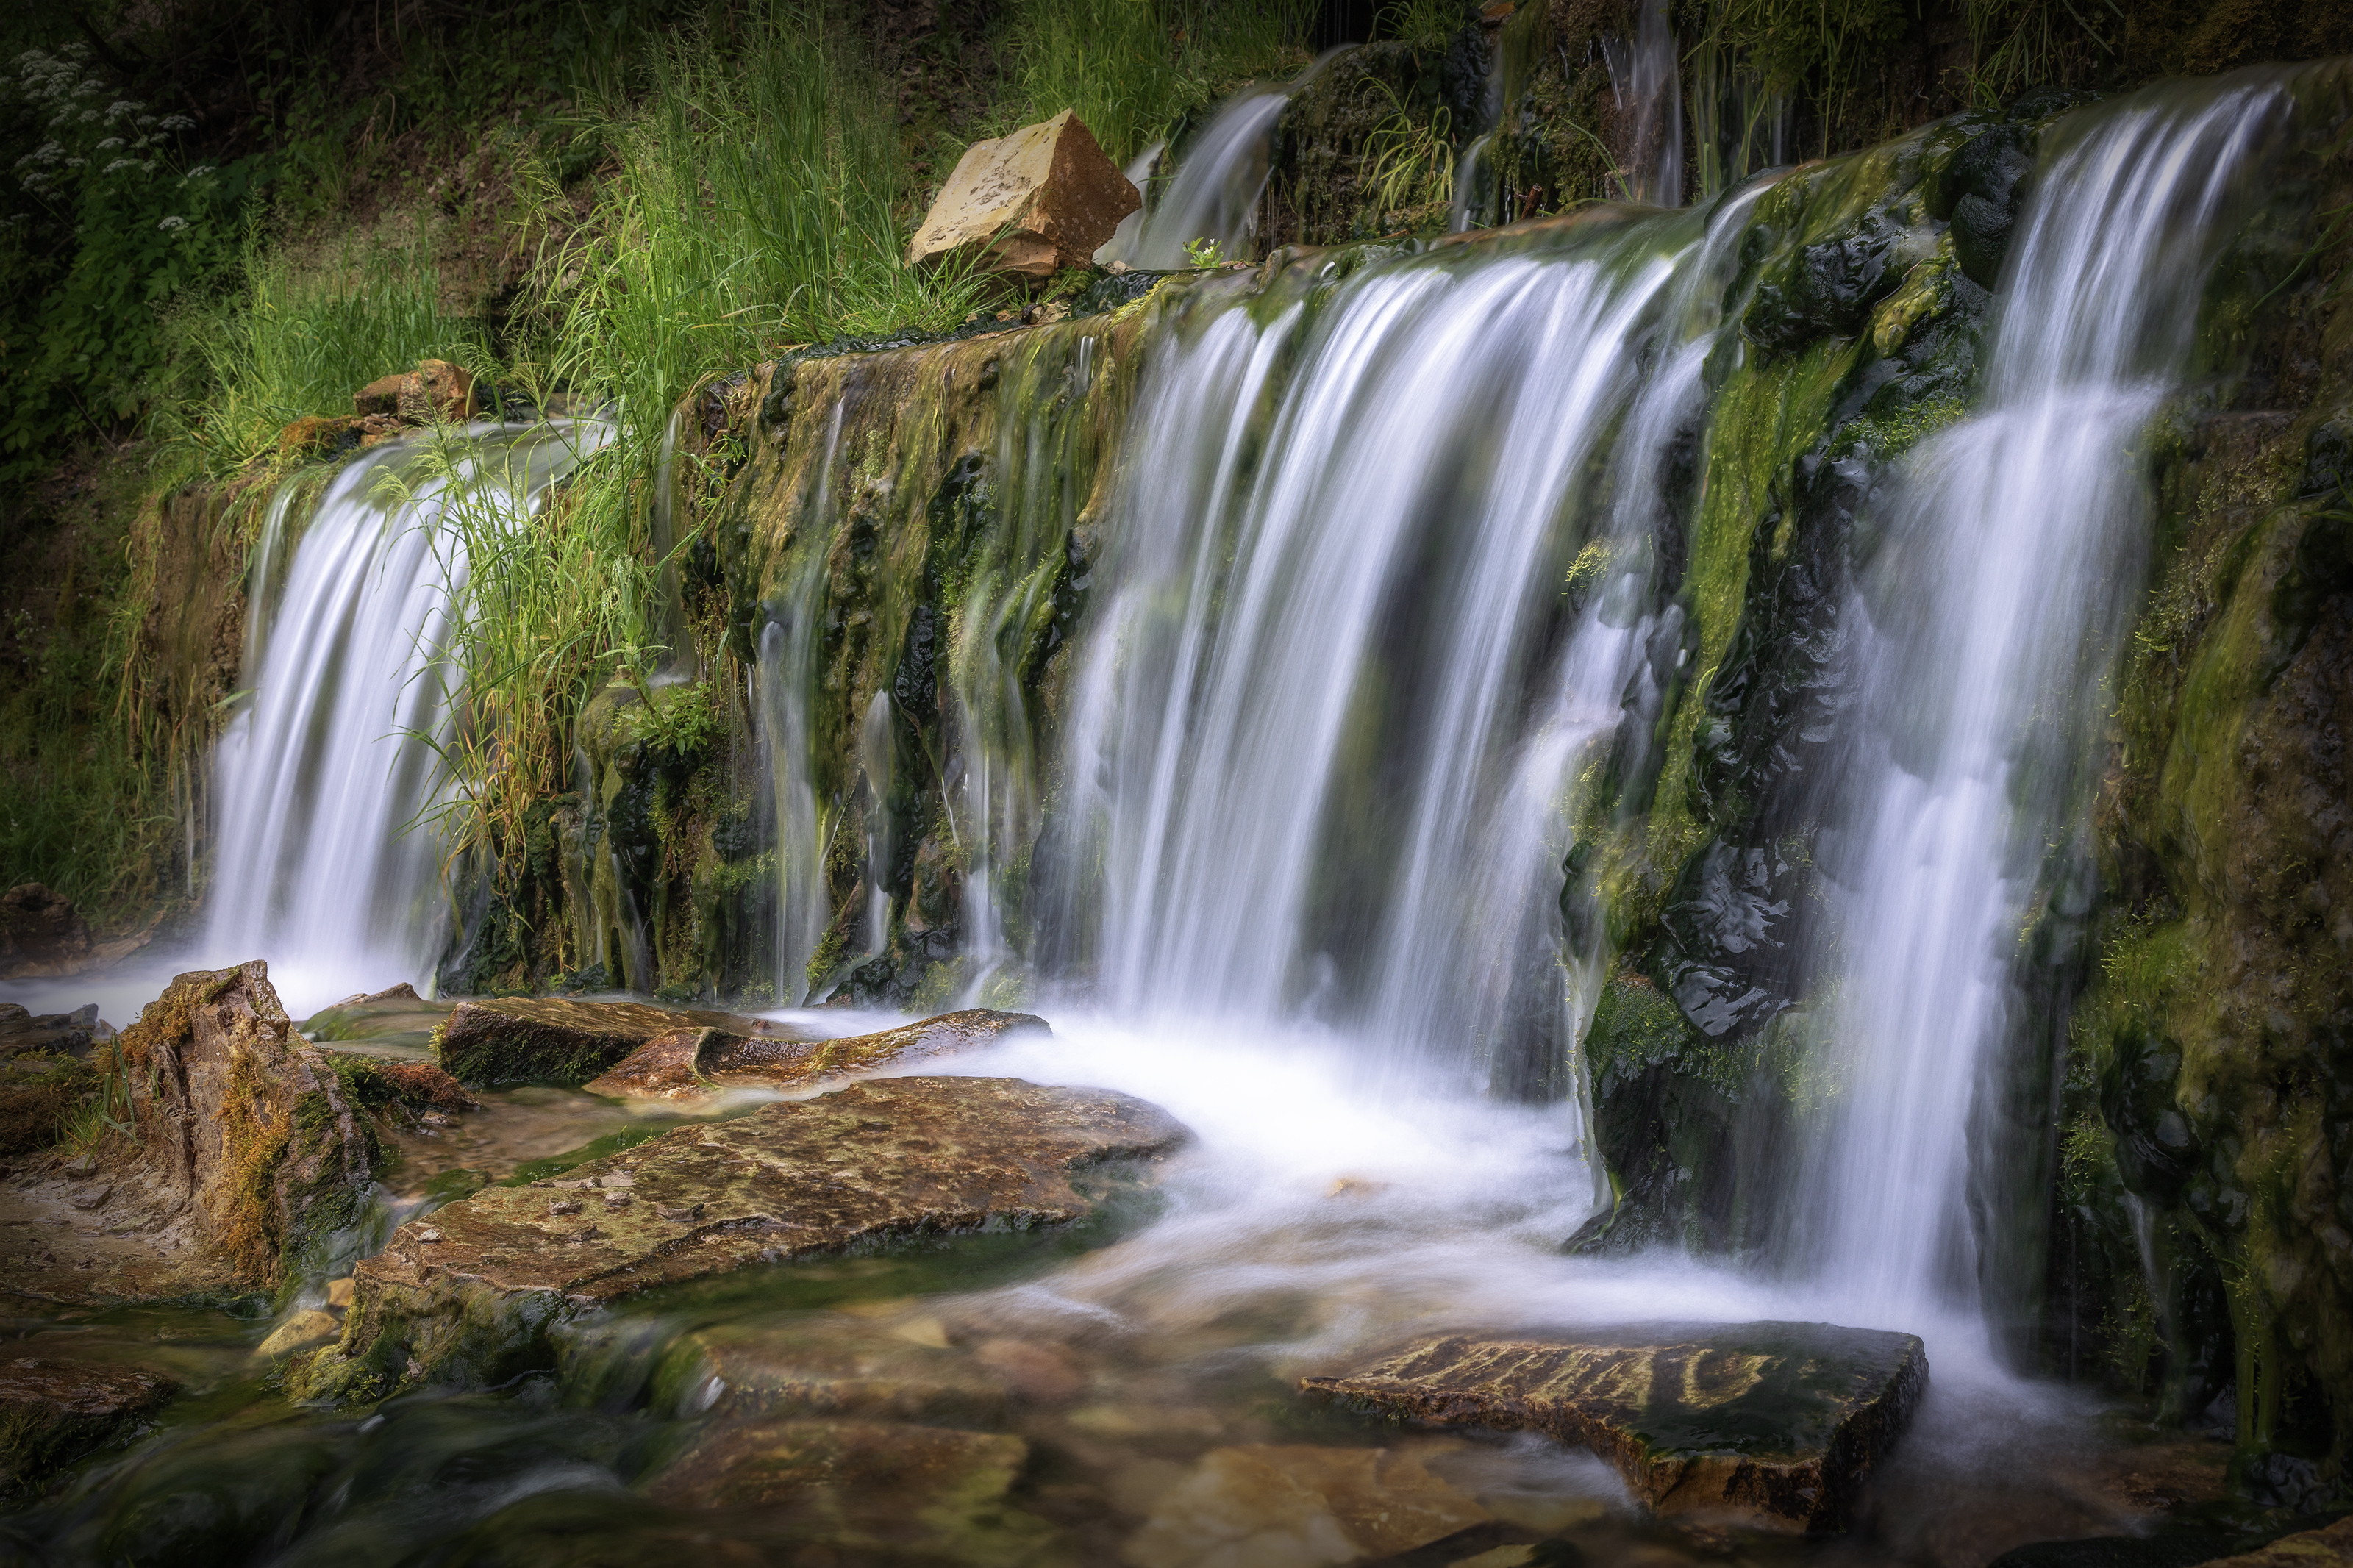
(324, 774)
(1647, 83)
(1988, 619)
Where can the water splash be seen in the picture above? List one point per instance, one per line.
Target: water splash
(1987, 622)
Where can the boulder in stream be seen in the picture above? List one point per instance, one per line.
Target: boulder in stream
(1779, 1422)
(1030, 203)
(53, 1411)
(468, 1294)
(534, 1039)
(692, 1062)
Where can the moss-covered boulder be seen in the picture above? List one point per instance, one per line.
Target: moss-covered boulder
(690, 1063)
(1782, 1421)
(555, 1040)
(469, 1294)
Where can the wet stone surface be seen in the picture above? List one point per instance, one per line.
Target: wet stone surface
(693, 1063)
(555, 1040)
(1779, 1422)
(54, 1410)
(470, 1294)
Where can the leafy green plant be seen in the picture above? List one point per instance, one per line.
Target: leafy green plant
(1131, 67)
(1815, 47)
(1408, 165)
(1204, 253)
(2022, 43)
(109, 227)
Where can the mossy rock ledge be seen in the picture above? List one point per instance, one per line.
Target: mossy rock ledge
(467, 1296)
(1779, 1422)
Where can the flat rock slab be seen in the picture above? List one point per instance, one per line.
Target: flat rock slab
(52, 1412)
(1781, 1422)
(693, 1063)
(832, 1365)
(527, 1040)
(468, 1293)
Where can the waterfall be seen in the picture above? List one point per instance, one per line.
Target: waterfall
(1986, 621)
(1645, 81)
(1214, 194)
(1381, 591)
(325, 863)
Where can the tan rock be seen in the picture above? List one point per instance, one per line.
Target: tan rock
(690, 1063)
(1777, 1422)
(1298, 1504)
(836, 1365)
(381, 395)
(300, 1331)
(436, 391)
(314, 437)
(1029, 203)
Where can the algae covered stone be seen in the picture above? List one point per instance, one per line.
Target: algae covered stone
(685, 1064)
(53, 1411)
(1778, 1421)
(555, 1040)
(469, 1294)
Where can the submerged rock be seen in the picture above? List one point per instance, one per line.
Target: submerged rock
(689, 1063)
(553, 1040)
(1778, 1421)
(1030, 203)
(829, 1364)
(1265, 1503)
(931, 1491)
(53, 1411)
(469, 1294)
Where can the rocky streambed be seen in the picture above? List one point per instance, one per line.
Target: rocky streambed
(394, 1285)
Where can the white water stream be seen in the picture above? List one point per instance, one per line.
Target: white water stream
(320, 777)
(1987, 624)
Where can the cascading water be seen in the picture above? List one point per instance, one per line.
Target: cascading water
(326, 862)
(1327, 747)
(1646, 81)
(1988, 619)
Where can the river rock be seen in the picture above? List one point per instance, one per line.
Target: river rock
(40, 926)
(690, 1063)
(469, 1294)
(526, 1039)
(1298, 1503)
(2327, 1548)
(54, 1411)
(1028, 203)
(1781, 1422)
(896, 1492)
(247, 1147)
(435, 390)
(832, 1365)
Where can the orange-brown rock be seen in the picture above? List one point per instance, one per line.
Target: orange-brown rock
(435, 390)
(691, 1062)
(1028, 203)
(315, 437)
(1780, 1423)
(381, 395)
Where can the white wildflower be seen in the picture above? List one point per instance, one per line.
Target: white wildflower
(169, 223)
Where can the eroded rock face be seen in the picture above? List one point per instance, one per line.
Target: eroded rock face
(1029, 203)
(554, 1040)
(54, 1411)
(1781, 1422)
(468, 1293)
(39, 928)
(690, 1063)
